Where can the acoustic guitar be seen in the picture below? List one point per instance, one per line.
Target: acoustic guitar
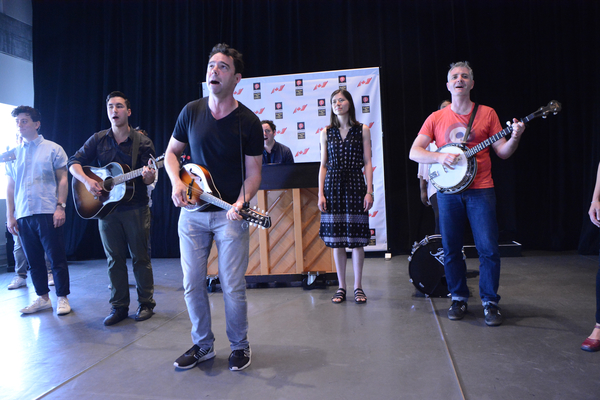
(117, 188)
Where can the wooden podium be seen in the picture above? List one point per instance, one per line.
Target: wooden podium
(291, 248)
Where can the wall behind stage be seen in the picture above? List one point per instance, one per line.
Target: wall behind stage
(299, 106)
(524, 54)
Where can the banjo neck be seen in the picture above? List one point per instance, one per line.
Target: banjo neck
(489, 141)
(542, 112)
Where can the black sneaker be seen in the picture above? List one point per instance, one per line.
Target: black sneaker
(240, 359)
(143, 313)
(457, 310)
(116, 315)
(493, 317)
(193, 356)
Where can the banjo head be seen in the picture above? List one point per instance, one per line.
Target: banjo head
(455, 180)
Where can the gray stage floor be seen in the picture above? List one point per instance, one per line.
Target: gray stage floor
(397, 346)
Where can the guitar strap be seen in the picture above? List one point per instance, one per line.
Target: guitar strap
(468, 131)
(135, 148)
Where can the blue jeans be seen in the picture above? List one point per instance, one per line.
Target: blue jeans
(196, 233)
(21, 265)
(479, 206)
(38, 236)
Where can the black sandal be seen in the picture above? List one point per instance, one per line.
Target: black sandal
(359, 296)
(339, 296)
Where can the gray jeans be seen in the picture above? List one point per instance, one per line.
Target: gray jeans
(197, 230)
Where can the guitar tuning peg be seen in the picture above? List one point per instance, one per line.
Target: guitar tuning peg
(508, 123)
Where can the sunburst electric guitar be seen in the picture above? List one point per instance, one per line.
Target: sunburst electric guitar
(201, 192)
(117, 187)
(457, 180)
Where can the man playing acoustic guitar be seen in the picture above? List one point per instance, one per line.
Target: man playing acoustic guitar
(223, 135)
(128, 225)
(478, 202)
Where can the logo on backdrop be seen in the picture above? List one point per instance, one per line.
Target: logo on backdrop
(256, 88)
(302, 152)
(299, 88)
(321, 107)
(238, 92)
(281, 132)
(259, 111)
(300, 109)
(278, 89)
(278, 110)
(321, 85)
(373, 239)
(301, 128)
(342, 81)
(364, 82)
(366, 105)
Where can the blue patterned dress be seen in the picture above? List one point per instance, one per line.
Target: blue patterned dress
(345, 223)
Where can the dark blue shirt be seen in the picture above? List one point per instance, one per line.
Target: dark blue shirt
(280, 154)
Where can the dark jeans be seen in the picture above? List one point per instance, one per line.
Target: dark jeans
(38, 236)
(123, 233)
(479, 206)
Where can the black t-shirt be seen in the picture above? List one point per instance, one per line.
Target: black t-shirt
(215, 144)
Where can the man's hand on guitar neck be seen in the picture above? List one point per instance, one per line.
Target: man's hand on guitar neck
(149, 172)
(234, 212)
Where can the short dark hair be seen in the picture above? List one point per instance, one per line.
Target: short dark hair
(32, 112)
(238, 62)
(270, 123)
(119, 94)
(351, 111)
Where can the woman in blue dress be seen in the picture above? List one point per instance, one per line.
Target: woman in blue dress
(344, 197)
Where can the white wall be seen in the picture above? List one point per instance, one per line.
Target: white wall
(16, 88)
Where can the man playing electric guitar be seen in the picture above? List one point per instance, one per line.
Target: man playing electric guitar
(478, 202)
(127, 228)
(223, 135)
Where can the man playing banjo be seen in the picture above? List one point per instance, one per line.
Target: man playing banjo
(478, 201)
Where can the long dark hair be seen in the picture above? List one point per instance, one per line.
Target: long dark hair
(351, 111)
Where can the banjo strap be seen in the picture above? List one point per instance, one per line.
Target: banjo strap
(468, 131)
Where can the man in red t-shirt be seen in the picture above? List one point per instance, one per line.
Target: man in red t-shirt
(478, 202)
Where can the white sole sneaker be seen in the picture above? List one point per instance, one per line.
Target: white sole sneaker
(38, 305)
(63, 306)
(17, 282)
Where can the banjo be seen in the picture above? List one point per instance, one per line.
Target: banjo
(457, 180)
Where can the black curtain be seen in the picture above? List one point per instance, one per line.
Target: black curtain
(524, 54)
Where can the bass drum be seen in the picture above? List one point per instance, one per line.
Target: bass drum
(426, 267)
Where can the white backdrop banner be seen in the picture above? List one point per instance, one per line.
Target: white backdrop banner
(300, 107)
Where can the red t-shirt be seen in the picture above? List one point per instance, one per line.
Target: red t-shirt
(445, 126)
